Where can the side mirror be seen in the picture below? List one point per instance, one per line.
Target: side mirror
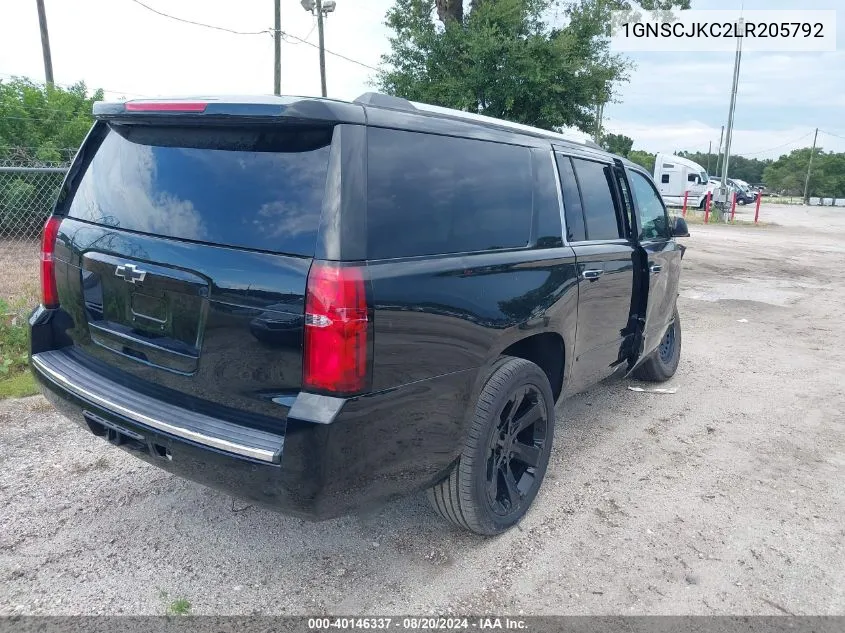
(679, 227)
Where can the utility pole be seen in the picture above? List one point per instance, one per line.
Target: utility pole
(727, 161)
(599, 122)
(45, 44)
(709, 151)
(809, 167)
(323, 8)
(322, 46)
(277, 45)
(719, 153)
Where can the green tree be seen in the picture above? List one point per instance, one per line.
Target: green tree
(617, 143)
(503, 59)
(748, 169)
(643, 159)
(827, 178)
(41, 124)
(38, 126)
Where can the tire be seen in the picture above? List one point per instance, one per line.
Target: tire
(478, 491)
(662, 363)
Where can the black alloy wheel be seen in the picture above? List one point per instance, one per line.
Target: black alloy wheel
(515, 449)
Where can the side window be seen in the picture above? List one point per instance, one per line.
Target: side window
(547, 232)
(653, 221)
(430, 194)
(600, 216)
(628, 206)
(664, 178)
(692, 178)
(575, 231)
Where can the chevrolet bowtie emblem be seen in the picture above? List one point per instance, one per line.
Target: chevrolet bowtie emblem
(129, 273)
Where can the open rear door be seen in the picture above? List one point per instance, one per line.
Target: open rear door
(662, 261)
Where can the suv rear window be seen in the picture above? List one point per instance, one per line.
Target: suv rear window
(430, 194)
(259, 188)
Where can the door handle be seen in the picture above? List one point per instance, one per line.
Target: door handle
(592, 275)
(655, 268)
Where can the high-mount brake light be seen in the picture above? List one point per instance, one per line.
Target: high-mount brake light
(165, 106)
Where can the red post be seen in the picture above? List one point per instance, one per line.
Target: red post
(686, 195)
(757, 210)
(707, 207)
(733, 206)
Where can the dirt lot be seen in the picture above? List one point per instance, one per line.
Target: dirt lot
(726, 497)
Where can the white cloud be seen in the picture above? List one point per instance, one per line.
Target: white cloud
(121, 46)
(766, 80)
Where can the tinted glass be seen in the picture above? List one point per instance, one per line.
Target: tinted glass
(653, 223)
(628, 206)
(431, 194)
(258, 189)
(664, 178)
(571, 200)
(599, 211)
(546, 202)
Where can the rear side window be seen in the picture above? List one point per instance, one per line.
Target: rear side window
(594, 181)
(548, 233)
(571, 200)
(258, 188)
(431, 194)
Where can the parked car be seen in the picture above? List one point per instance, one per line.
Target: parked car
(319, 306)
(744, 195)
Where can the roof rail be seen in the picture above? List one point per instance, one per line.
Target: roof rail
(383, 101)
(398, 103)
(575, 137)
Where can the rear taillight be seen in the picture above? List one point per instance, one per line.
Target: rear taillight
(336, 330)
(49, 295)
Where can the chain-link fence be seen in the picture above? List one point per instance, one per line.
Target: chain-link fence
(28, 191)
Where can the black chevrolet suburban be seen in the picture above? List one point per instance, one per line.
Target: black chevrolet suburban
(319, 305)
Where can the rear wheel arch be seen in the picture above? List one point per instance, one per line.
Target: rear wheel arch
(547, 350)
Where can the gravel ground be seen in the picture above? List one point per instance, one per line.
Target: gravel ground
(726, 497)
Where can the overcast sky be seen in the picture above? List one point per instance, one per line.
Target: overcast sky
(673, 101)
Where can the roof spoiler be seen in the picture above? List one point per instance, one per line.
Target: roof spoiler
(293, 109)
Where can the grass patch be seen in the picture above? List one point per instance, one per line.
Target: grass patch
(180, 606)
(18, 385)
(15, 380)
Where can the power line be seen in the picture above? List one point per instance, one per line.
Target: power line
(775, 147)
(349, 59)
(271, 31)
(208, 26)
(313, 26)
(832, 134)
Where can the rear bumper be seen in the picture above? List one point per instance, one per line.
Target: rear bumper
(59, 368)
(352, 454)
